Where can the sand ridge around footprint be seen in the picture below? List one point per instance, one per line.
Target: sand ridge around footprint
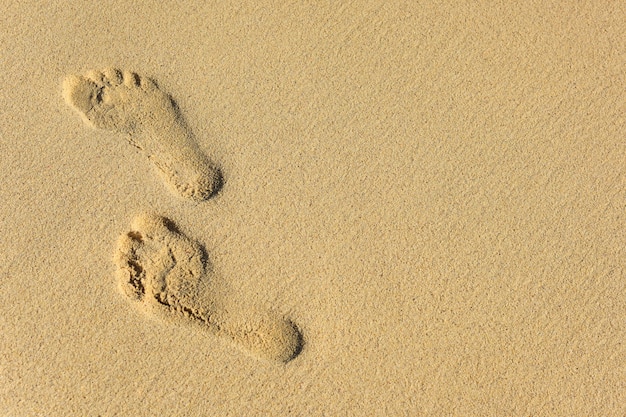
(133, 105)
(166, 275)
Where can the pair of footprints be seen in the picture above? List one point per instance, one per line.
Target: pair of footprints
(163, 271)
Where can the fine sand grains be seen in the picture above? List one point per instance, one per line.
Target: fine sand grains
(135, 106)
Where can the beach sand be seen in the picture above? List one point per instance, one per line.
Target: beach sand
(348, 209)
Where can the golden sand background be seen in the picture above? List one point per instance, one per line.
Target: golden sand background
(435, 193)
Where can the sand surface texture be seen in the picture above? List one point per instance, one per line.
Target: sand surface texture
(312, 208)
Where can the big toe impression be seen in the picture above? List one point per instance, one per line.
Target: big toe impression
(79, 92)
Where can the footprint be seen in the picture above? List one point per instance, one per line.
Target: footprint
(127, 103)
(166, 275)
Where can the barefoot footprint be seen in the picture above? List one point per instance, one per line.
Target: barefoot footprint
(165, 274)
(127, 103)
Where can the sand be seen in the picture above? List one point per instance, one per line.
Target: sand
(363, 209)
